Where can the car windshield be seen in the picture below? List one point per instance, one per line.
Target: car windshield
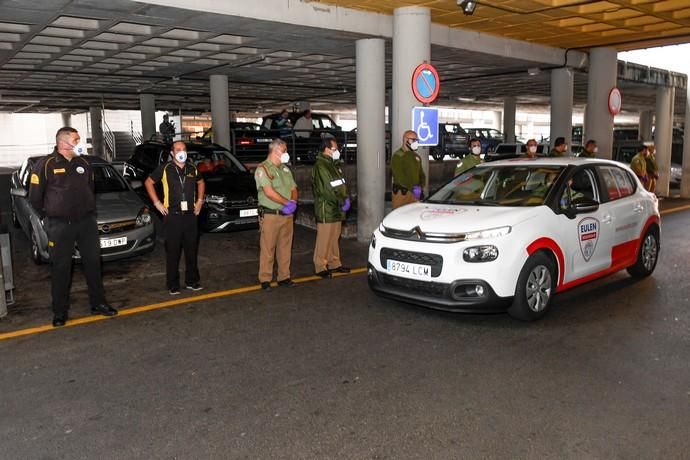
(107, 180)
(215, 161)
(486, 185)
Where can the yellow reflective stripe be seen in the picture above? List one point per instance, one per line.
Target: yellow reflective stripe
(166, 188)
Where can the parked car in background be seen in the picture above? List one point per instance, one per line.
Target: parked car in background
(490, 138)
(508, 151)
(230, 202)
(125, 225)
(249, 141)
(453, 141)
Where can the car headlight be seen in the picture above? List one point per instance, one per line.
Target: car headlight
(382, 229)
(489, 233)
(144, 217)
(373, 241)
(214, 199)
(480, 253)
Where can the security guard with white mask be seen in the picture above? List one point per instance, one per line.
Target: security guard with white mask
(472, 159)
(183, 197)
(277, 193)
(331, 202)
(62, 190)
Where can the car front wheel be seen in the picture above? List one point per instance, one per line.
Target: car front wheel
(647, 256)
(535, 288)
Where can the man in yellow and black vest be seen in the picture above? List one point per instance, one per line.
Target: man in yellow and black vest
(62, 191)
(183, 197)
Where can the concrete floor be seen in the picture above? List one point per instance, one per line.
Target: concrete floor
(328, 370)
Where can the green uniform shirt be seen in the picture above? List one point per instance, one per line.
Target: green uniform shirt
(639, 165)
(279, 177)
(330, 190)
(586, 154)
(469, 162)
(556, 153)
(407, 170)
(651, 165)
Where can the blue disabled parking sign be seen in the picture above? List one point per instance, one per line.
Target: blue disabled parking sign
(425, 124)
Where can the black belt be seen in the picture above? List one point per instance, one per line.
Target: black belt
(399, 189)
(263, 210)
(180, 213)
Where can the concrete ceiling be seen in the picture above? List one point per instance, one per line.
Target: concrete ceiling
(623, 24)
(67, 55)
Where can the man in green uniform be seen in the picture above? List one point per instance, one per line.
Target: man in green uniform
(408, 174)
(331, 202)
(652, 168)
(639, 165)
(559, 148)
(590, 150)
(472, 159)
(277, 193)
(531, 150)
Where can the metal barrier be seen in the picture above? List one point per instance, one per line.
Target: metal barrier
(109, 138)
(6, 275)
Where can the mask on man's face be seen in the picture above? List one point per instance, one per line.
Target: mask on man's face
(477, 149)
(414, 145)
(285, 158)
(595, 150)
(181, 156)
(532, 149)
(335, 155)
(79, 148)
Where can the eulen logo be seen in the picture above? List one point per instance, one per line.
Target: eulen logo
(588, 235)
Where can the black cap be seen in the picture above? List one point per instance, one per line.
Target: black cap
(559, 141)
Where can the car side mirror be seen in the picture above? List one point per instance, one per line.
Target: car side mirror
(19, 192)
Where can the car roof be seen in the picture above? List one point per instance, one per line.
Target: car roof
(553, 161)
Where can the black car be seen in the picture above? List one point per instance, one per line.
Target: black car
(453, 141)
(230, 202)
(249, 140)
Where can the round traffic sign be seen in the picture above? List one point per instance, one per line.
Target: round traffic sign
(615, 101)
(425, 83)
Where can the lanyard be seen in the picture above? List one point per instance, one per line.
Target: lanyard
(182, 179)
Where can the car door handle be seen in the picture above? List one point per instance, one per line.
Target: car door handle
(638, 208)
(606, 219)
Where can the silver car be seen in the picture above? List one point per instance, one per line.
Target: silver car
(125, 224)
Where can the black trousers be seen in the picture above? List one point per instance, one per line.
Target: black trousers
(181, 232)
(62, 235)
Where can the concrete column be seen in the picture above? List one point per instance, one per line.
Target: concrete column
(371, 137)
(645, 127)
(220, 110)
(509, 108)
(562, 105)
(411, 47)
(97, 147)
(498, 120)
(663, 136)
(66, 119)
(147, 107)
(685, 181)
(603, 73)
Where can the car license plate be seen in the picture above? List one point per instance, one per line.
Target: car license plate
(249, 212)
(113, 242)
(264, 139)
(408, 270)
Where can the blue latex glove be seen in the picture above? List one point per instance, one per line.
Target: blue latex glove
(417, 191)
(346, 205)
(289, 208)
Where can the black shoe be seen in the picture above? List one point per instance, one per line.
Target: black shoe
(174, 291)
(194, 287)
(266, 286)
(325, 274)
(59, 320)
(286, 283)
(104, 309)
(341, 269)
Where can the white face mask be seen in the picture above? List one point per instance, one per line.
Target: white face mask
(595, 149)
(476, 150)
(532, 149)
(414, 146)
(79, 148)
(285, 158)
(181, 156)
(335, 155)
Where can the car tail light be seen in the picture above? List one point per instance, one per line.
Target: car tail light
(245, 141)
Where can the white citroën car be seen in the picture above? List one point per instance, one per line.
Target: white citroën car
(510, 234)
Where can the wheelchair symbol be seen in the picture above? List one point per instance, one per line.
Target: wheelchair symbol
(423, 126)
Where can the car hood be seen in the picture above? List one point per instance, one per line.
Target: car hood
(118, 206)
(441, 218)
(231, 186)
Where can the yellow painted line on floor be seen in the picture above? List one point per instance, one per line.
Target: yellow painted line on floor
(159, 306)
(678, 209)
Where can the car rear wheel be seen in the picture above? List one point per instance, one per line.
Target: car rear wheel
(535, 288)
(35, 251)
(647, 256)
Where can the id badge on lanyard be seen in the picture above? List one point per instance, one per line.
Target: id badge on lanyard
(184, 207)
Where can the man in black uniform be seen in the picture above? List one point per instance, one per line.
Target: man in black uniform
(62, 190)
(183, 196)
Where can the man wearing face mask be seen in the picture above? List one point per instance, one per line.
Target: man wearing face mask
(62, 190)
(183, 197)
(277, 192)
(472, 159)
(590, 150)
(331, 202)
(531, 151)
(408, 174)
(559, 148)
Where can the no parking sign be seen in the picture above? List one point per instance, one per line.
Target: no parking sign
(425, 83)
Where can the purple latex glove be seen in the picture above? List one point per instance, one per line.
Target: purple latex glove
(417, 191)
(289, 208)
(346, 205)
